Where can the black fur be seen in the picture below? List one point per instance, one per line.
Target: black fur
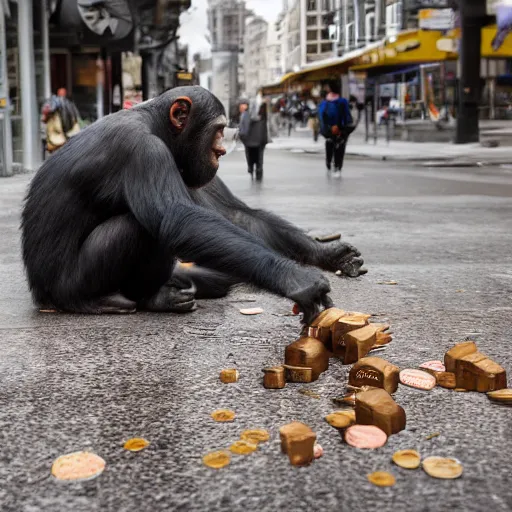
(107, 215)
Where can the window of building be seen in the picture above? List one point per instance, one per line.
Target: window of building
(349, 36)
(311, 21)
(325, 34)
(369, 27)
(326, 5)
(326, 47)
(311, 48)
(393, 18)
(312, 35)
(311, 5)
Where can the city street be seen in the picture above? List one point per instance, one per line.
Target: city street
(71, 383)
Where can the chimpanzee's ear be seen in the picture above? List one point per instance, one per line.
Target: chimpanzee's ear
(180, 111)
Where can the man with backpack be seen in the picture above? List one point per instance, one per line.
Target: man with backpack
(335, 122)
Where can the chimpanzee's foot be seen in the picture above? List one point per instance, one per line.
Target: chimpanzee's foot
(176, 296)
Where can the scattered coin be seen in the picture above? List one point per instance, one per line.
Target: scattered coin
(460, 291)
(255, 436)
(217, 460)
(78, 466)
(251, 311)
(309, 393)
(328, 238)
(365, 436)
(503, 396)
(417, 379)
(318, 451)
(243, 447)
(431, 436)
(461, 390)
(388, 282)
(382, 479)
(339, 420)
(408, 459)
(435, 366)
(136, 444)
(229, 376)
(440, 467)
(48, 311)
(223, 415)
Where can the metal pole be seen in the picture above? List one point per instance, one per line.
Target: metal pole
(5, 115)
(45, 37)
(30, 115)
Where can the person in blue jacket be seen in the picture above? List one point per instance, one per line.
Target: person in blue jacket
(334, 115)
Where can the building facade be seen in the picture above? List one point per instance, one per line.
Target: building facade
(255, 55)
(226, 23)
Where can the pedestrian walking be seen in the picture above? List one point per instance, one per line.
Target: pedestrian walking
(254, 136)
(62, 120)
(335, 121)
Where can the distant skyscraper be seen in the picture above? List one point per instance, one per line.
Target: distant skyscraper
(226, 22)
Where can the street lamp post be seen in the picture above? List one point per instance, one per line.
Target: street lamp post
(30, 115)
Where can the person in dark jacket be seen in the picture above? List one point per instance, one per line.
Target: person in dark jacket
(335, 120)
(254, 136)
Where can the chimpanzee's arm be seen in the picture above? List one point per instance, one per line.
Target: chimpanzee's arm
(160, 201)
(277, 233)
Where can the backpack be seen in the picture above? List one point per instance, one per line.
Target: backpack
(335, 114)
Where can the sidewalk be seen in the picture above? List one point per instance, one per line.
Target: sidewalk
(428, 153)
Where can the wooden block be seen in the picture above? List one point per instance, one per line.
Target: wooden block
(274, 378)
(341, 327)
(376, 407)
(473, 370)
(376, 372)
(308, 352)
(480, 374)
(321, 326)
(358, 343)
(298, 441)
(460, 350)
(298, 374)
(446, 379)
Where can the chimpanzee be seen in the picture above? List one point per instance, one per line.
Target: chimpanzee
(107, 215)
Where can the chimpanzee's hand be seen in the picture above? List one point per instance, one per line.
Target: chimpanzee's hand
(341, 256)
(309, 290)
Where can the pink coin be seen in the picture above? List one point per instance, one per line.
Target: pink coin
(417, 379)
(365, 436)
(435, 366)
(251, 311)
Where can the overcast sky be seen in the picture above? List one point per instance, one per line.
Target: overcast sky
(194, 24)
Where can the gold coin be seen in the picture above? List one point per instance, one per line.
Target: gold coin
(243, 447)
(251, 311)
(229, 376)
(222, 415)
(217, 460)
(339, 419)
(440, 467)
(136, 444)
(255, 436)
(501, 395)
(78, 466)
(408, 459)
(382, 479)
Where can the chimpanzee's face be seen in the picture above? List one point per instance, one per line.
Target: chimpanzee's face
(197, 121)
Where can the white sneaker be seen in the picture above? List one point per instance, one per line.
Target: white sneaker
(336, 174)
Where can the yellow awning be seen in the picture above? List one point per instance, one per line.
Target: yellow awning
(410, 47)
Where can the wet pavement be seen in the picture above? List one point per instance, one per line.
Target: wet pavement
(71, 383)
